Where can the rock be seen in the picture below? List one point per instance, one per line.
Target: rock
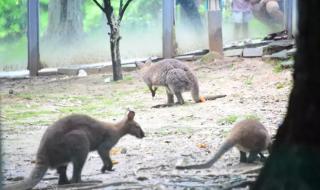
(19, 178)
(287, 64)
(82, 73)
(107, 80)
(123, 151)
(281, 55)
(277, 46)
(142, 178)
(210, 57)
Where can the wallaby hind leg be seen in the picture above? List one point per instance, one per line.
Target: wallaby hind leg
(179, 97)
(170, 98)
(78, 162)
(63, 179)
(243, 157)
(79, 149)
(252, 157)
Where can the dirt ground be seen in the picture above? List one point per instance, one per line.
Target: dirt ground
(188, 133)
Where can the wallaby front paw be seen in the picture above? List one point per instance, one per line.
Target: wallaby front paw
(104, 168)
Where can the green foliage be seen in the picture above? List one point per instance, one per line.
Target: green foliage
(12, 19)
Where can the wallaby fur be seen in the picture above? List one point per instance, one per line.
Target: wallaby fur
(173, 74)
(70, 139)
(249, 136)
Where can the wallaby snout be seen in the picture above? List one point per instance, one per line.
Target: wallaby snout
(138, 132)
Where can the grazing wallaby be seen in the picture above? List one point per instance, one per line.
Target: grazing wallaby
(176, 77)
(70, 139)
(249, 136)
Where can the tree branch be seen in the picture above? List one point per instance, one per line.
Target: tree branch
(121, 6)
(109, 12)
(124, 10)
(99, 5)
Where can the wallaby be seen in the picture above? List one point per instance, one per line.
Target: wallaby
(176, 76)
(249, 136)
(70, 139)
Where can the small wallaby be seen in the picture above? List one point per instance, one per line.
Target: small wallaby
(176, 76)
(70, 139)
(249, 136)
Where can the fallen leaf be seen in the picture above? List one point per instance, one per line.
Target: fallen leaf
(114, 162)
(115, 151)
(201, 145)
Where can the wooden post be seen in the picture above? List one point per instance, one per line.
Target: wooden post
(215, 26)
(288, 17)
(168, 33)
(33, 37)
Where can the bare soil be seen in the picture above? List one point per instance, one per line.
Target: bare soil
(191, 132)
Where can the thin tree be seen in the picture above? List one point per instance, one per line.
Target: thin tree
(114, 24)
(295, 158)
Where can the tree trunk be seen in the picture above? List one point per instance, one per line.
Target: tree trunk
(191, 11)
(115, 54)
(295, 158)
(65, 21)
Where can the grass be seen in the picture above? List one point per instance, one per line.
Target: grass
(248, 80)
(228, 120)
(280, 85)
(231, 119)
(250, 116)
(41, 109)
(277, 67)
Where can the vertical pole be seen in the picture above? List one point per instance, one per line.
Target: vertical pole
(288, 17)
(168, 33)
(215, 26)
(33, 37)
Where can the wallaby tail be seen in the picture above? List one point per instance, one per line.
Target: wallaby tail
(194, 87)
(214, 97)
(227, 145)
(34, 178)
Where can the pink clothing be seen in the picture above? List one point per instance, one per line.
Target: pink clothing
(241, 6)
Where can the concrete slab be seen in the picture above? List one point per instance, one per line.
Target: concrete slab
(233, 53)
(253, 52)
(14, 74)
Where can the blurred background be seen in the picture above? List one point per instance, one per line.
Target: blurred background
(76, 31)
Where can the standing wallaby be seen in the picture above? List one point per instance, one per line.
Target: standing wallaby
(175, 76)
(249, 136)
(70, 139)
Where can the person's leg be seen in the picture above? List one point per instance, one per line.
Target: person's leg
(245, 30)
(245, 25)
(237, 19)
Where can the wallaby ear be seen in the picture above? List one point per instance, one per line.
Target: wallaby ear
(131, 115)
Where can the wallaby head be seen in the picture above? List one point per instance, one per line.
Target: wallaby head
(142, 66)
(132, 127)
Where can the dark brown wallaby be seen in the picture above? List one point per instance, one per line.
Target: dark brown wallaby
(249, 136)
(70, 139)
(176, 76)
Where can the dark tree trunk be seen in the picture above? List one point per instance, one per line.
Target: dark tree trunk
(295, 158)
(65, 24)
(191, 11)
(114, 25)
(115, 54)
